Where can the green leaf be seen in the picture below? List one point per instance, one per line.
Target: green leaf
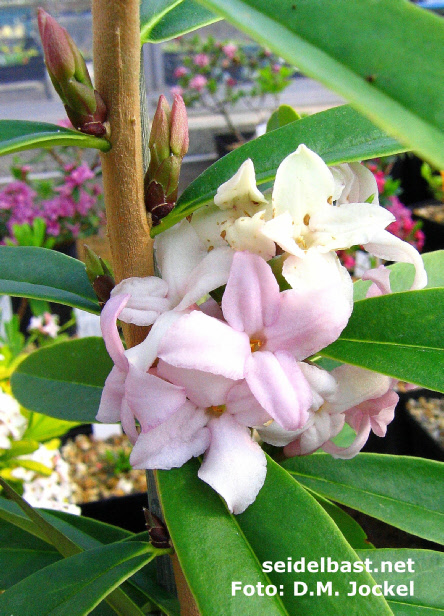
(20, 448)
(402, 491)
(351, 530)
(18, 563)
(366, 53)
(43, 428)
(401, 335)
(337, 135)
(283, 521)
(162, 20)
(77, 584)
(40, 273)
(283, 115)
(19, 135)
(64, 380)
(402, 275)
(428, 598)
(10, 512)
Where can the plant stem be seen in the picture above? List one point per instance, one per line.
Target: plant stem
(116, 67)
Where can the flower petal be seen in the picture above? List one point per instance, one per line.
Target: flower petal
(380, 277)
(150, 398)
(243, 405)
(356, 385)
(279, 386)
(212, 272)
(182, 436)
(350, 224)
(316, 310)
(251, 298)
(148, 299)
(199, 342)
(112, 396)
(240, 192)
(234, 465)
(360, 184)
(303, 185)
(280, 230)
(387, 246)
(207, 223)
(108, 324)
(324, 427)
(204, 389)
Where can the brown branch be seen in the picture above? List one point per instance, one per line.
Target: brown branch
(116, 68)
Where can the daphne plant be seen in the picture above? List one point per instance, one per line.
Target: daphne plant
(261, 351)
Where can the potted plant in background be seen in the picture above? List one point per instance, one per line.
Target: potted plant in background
(217, 75)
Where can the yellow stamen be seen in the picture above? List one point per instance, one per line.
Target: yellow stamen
(255, 345)
(216, 411)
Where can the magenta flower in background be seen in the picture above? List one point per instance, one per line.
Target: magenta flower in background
(198, 82)
(200, 59)
(176, 91)
(180, 71)
(229, 50)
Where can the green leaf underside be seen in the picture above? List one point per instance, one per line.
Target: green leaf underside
(337, 135)
(402, 275)
(19, 135)
(278, 525)
(404, 492)
(428, 598)
(67, 592)
(162, 20)
(86, 534)
(401, 335)
(39, 273)
(64, 380)
(366, 53)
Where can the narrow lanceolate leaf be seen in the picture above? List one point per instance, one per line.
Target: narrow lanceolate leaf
(337, 135)
(60, 589)
(39, 273)
(64, 380)
(19, 135)
(162, 20)
(401, 335)
(366, 53)
(217, 549)
(404, 492)
(395, 568)
(402, 275)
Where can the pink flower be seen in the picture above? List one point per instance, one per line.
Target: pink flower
(198, 82)
(229, 50)
(231, 82)
(265, 336)
(276, 68)
(79, 176)
(380, 180)
(201, 59)
(180, 71)
(176, 91)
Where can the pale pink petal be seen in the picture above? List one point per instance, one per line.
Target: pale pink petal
(212, 272)
(311, 315)
(251, 298)
(349, 224)
(178, 251)
(278, 384)
(204, 389)
(128, 422)
(212, 309)
(182, 436)
(323, 384)
(243, 405)
(391, 248)
(380, 277)
(356, 385)
(275, 435)
(148, 299)
(151, 399)
(199, 342)
(360, 185)
(234, 465)
(324, 427)
(108, 324)
(112, 396)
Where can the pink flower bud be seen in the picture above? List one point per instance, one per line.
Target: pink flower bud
(179, 138)
(57, 47)
(229, 50)
(180, 71)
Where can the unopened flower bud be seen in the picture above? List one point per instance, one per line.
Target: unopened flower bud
(168, 145)
(70, 77)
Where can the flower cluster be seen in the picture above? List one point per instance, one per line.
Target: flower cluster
(218, 74)
(221, 378)
(70, 208)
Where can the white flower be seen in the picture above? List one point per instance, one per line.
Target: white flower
(237, 217)
(305, 219)
(12, 423)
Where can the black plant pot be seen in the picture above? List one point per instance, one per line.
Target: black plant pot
(123, 511)
(433, 230)
(34, 70)
(228, 142)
